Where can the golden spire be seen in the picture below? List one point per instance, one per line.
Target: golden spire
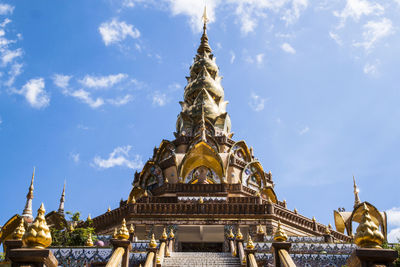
(145, 194)
(260, 229)
(313, 219)
(153, 243)
(231, 235)
(327, 230)
(201, 200)
(38, 234)
(109, 209)
(250, 244)
(115, 232)
(131, 229)
(367, 233)
(89, 218)
(123, 232)
(295, 211)
(239, 234)
(62, 201)
(204, 46)
(27, 213)
(171, 234)
(203, 125)
(280, 234)
(19, 231)
(89, 241)
(356, 197)
(164, 234)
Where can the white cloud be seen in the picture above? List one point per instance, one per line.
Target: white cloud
(159, 99)
(194, 10)
(355, 9)
(116, 31)
(233, 56)
(371, 69)
(120, 101)
(293, 14)
(35, 94)
(6, 9)
(61, 80)
(305, 130)
(336, 38)
(260, 58)
(119, 157)
(256, 102)
(393, 218)
(288, 48)
(75, 157)
(375, 31)
(8, 56)
(85, 97)
(174, 86)
(102, 81)
(14, 72)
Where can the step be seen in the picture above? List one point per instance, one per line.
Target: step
(197, 259)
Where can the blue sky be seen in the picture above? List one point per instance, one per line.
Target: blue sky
(88, 89)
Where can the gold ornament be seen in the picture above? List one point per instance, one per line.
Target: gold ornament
(123, 232)
(145, 194)
(115, 233)
(171, 234)
(231, 235)
(38, 234)
(327, 230)
(164, 234)
(260, 229)
(280, 234)
(89, 218)
(201, 200)
(109, 209)
(239, 235)
(367, 233)
(131, 229)
(89, 241)
(250, 244)
(19, 231)
(153, 243)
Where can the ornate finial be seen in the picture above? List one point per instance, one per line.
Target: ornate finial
(250, 244)
(115, 232)
(239, 234)
(38, 234)
(131, 229)
(260, 229)
(27, 213)
(356, 197)
(71, 227)
(123, 232)
(145, 194)
(133, 200)
(89, 241)
(330, 226)
(62, 201)
(171, 234)
(327, 230)
(204, 46)
(164, 234)
(231, 235)
(201, 200)
(109, 209)
(258, 194)
(367, 233)
(284, 203)
(89, 218)
(295, 211)
(166, 180)
(153, 243)
(313, 219)
(19, 231)
(280, 234)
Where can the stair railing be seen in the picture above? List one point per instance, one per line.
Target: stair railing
(151, 254)
(282, 258)
(162, 249)
(120, 255)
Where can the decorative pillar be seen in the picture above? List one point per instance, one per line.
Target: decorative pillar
(280, 248)
(151, 252)
(328, 238)
(250, 251)
(171, 241)
(37, 238)
(231, 240)
(369, 240)
(16, 242)
(120, 240)
(240, 249)
(161, 250)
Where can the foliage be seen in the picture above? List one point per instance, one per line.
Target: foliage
(395, 247)
(73, 237)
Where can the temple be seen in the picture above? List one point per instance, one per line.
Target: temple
(205, 192)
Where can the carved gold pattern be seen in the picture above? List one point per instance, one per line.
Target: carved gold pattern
(280, 234)
(123, 232)
(239, 234)
(250, 244)
(153, 243)
(368, 234)
(171, 234)
(164, 234)
(19, 231)
(38, 234)
(89, 241)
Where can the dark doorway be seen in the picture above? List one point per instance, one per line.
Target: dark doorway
(202, 247)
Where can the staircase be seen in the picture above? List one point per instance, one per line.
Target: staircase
(197, 259)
